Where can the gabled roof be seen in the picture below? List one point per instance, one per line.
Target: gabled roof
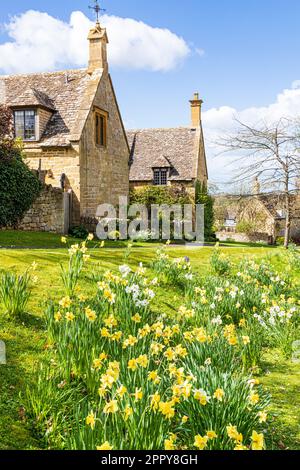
(177, 148)
(161, 162)
(69, 95)
(32, 97)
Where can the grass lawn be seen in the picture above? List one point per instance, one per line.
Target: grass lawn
(26, 339)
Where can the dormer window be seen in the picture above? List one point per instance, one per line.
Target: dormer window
(25, 124)
(160, 177)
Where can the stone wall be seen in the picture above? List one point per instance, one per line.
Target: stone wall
(47, 213)
(55, 162)
(244, 238)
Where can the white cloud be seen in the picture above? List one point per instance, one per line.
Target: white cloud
(40, 42)
(220, 121)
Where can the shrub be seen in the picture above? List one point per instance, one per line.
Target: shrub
(202, 197)
(19, 186)
(149, 195)
(79, 232)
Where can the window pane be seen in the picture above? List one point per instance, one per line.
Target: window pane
(29, 133)
(102, 130)
(25, 124)
(97, 129)
(160, 177)
(19, 124)
(163, 177)
(156, 177)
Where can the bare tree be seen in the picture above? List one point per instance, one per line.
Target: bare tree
(270, 153)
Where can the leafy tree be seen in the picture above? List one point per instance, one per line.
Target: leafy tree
(19, 186)
(202, 197)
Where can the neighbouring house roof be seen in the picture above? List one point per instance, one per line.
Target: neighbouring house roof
(68, 94)
(175, 148)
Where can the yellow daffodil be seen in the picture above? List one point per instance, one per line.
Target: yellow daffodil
(65, 302)
(132, 364)
(155, 400)
(111, 407)
(57, 317)
(136, 318)
(167, 409)
(105, 446)
(90, 314)
(211, 435)
(138, 394)
(253, 398)
(128, 412)
(142, 361)
(263, 416)
(153, 377)
(200, 442)
(257, 441)
(121, 391)
(234, 434)
(70, 316)
(219, 394)
(90, 420)
(246, 340)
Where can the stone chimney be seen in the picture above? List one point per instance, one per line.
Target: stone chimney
(196, 105)
(98, 48)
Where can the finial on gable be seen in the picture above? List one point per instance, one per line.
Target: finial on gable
(98, 44)
(97, 10)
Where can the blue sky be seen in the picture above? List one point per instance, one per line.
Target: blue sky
(251, 53)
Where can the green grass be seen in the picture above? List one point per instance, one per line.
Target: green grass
(26, 339)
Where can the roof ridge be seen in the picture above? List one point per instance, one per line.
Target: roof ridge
(31, 74)
(161, 129)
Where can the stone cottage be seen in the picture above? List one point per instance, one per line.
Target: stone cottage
(72, 129)
(259, 217)
(165, 157)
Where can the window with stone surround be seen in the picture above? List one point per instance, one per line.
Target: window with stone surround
(160, 177)
(101, 128)
(25, 124)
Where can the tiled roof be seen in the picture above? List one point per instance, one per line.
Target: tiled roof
(62, 91)
(177, 148)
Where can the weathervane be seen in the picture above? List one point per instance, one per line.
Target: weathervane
(97, 9)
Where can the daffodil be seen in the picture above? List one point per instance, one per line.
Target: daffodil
(70, 316)
(219, 394)
(211, 435)
(167, 409)
(200, 442)
(132, 364)
(111, 407)
(90, 314)
(253, 398)
(263, 416)
(121, 391)
(105, 446)
(138, 394)
(90, 420)
(257, 441)
(153, 377)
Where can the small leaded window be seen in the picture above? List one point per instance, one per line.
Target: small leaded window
(101, 129)
(160, 177)
(25, 124)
